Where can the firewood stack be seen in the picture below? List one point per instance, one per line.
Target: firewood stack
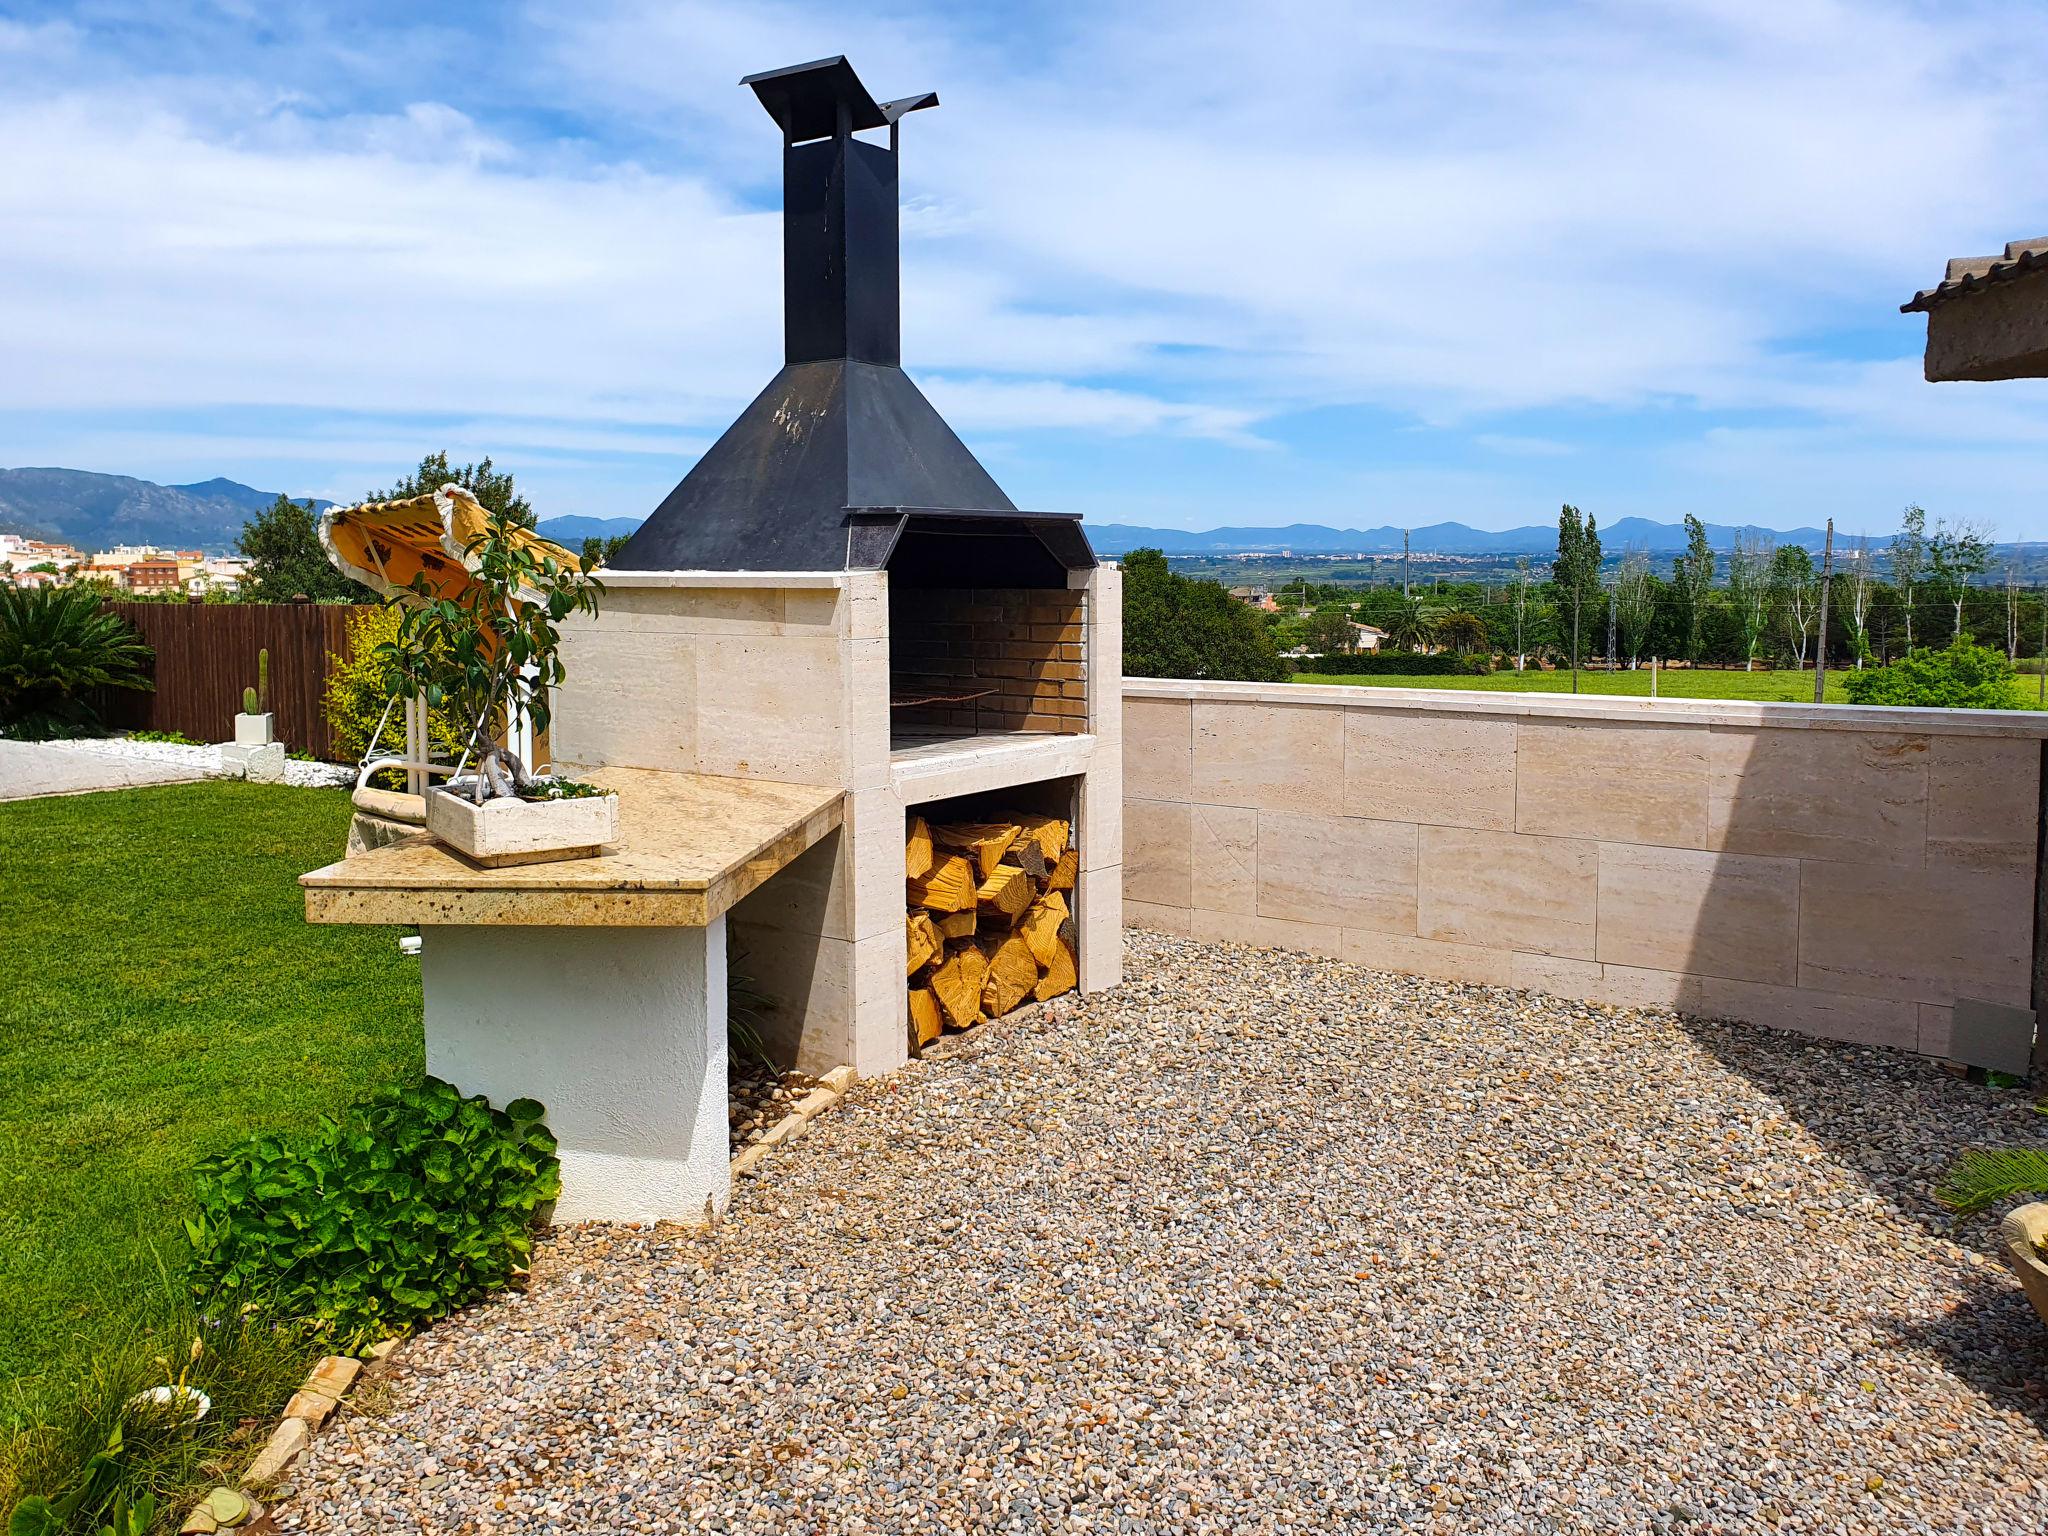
(990, 923)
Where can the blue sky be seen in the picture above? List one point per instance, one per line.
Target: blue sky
(1181, 264)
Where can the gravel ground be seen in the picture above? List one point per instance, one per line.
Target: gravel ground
(756, 1102)
(204, 760)
(1260, 1242)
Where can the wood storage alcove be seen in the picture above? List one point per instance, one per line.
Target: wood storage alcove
(989, 905)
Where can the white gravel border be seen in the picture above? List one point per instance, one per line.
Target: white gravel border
(206, 760)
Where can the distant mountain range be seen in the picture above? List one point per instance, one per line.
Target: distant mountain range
(95, 511)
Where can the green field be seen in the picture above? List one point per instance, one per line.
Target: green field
(164, 996)
(1681, 683)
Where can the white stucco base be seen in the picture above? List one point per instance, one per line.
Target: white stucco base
(620, 1032)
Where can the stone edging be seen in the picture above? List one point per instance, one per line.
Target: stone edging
(324, 1388)
(830, 1090)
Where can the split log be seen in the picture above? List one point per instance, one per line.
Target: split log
(957, 982)
(1030, 858)
(924, 1015)
(922, 941)
(1049, 832)
(988, 841)
(917, 850)
(1041, 928)
(949, 886)
(1012, 974)
(1060, 976)
(957, 925)
(1064, 872)
(1006, 894)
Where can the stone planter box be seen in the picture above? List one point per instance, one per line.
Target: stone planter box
(254, 730)
(500, 832)
(2020, 1230)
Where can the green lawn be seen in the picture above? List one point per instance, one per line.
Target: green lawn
(163, 995)
(1681, 683)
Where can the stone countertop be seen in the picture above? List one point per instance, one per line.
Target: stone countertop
(1568, 707)
(690, 845)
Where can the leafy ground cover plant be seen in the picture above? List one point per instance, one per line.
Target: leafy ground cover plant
(58, 649)
(395, 1213)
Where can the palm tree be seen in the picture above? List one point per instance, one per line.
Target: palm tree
(1463, 631)
(58, 648)
(1408, 628)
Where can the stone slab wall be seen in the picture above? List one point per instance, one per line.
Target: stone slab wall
(1848, 873)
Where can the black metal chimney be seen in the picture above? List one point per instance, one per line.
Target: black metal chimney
(841, 455)
(841, 294)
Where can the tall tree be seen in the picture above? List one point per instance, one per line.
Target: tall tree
(492, 488)
(1576, 571)
(1909, 560)
(1749, 591)
(282, 545)
(1635, 604)
(1462, 630)
(1329, 630)
(1862, 583)
(1692, 573)
(1795, 592)
(1175, 626)
(1524, 581)
(1957, 553)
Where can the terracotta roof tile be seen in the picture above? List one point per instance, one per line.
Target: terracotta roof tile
(1966, 274)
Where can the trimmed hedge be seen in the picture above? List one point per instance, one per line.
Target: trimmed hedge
(1397, 663)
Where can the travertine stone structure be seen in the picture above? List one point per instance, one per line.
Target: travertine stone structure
(1844, 872)
(786, 676)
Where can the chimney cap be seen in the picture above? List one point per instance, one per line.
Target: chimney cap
(805, 99)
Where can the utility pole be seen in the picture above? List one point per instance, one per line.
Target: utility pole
(1820, 654)
(1404, 565)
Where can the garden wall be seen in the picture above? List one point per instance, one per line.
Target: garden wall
(1844, 872)
(206, 655)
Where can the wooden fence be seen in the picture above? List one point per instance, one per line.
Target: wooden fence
(206, 656)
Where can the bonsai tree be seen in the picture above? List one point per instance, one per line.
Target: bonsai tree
(490, 650)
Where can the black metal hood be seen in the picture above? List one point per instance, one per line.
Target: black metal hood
(841, 453)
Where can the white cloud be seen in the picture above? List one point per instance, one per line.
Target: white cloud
(1187, 222)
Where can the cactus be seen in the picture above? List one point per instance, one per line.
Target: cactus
(251, 705)
(262, 682)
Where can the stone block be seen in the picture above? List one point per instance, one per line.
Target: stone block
(1101, 921)
(1613, 986)
(1226, 858)
(1158, 852)
(333, 1375)
(1100, 826)
(1983, 802)
(1341, 871)
(1159, 748)
(1936, 1024)
(1504, 890)
(881, 1006)
(1687, 910)
(1428, 957)
(286, 1441)
(1613, 781)
(770, 707)
(839, 1079)
(1271, 757)
(257, 764)
(1266, 933)
(1443, 770)
(1994, 1035)
(1142, 914)
(629, 701)
(1917, 935)
(313, 1407)
(866, 665)
(1848, 797)
(1814, 1011)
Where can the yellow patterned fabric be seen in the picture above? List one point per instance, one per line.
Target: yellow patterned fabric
(386, 544)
